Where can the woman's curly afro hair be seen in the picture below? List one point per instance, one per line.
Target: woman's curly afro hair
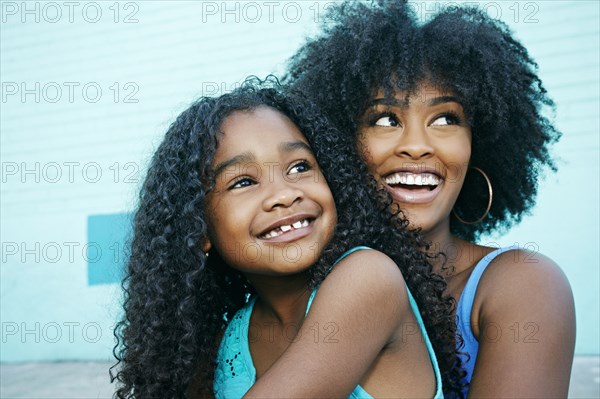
(365, 47)
(177, 300)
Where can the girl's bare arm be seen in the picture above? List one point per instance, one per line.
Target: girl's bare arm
(361, 304)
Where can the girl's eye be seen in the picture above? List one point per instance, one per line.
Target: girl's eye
(388, 120)
(447, 119)
(300, 167)
(243, 182)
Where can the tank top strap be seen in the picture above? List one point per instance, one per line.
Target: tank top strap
(470, 346)
(432, 357)
(465, 302)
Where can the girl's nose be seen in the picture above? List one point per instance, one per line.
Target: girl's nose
(283, 196)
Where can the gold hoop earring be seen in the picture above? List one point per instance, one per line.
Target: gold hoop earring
(489, 205)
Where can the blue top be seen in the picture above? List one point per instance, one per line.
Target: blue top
(463, 312)
(235, 373)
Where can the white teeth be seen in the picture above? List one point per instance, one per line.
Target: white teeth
(421, 179)
(393, 179)
(285, 228)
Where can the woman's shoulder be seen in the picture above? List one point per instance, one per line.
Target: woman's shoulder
(521, 268)
(520, 283)
(523, 298)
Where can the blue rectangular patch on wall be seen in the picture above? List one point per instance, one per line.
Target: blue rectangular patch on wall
(108, 236)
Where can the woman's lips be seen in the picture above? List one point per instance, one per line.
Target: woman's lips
(415, 194)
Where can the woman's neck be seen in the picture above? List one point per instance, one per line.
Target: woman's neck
(453, 248)
(459, 255)
(281, 299)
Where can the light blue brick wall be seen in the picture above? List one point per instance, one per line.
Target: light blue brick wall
(72, 162)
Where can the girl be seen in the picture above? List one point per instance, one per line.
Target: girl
(448, 117)
(236, 227)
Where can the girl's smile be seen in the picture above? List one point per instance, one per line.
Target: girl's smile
(271, 211)
(289, 229)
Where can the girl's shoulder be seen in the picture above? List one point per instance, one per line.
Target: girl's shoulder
(234, 369)
(369, 266)
(371, 277)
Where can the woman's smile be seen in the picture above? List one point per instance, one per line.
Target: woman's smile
(418, 147)
(415, 184)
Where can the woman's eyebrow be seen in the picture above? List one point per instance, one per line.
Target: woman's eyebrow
(246, 157)
(388, 101)
(441, 100)
(432, 102)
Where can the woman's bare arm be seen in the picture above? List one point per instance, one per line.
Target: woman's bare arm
(525, 325)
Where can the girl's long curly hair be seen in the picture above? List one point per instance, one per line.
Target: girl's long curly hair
(178, 301)
(364, 47)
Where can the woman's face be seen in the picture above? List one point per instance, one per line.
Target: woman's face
(418, 147)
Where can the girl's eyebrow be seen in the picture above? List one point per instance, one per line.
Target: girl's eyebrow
(248, 157)
(290, 146)
(245, 157)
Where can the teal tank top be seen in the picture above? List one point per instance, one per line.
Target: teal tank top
(235, 373)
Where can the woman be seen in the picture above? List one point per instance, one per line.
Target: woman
(448, 116)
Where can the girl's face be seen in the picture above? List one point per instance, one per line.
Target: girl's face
(418, 147)
(271, 211)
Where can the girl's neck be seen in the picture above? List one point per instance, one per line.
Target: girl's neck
(281, 299)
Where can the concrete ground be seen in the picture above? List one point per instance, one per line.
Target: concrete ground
(66, 380)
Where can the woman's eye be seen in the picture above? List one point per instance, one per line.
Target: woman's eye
(245, 182)
(300, 167)
(387, 121)
(445, 120)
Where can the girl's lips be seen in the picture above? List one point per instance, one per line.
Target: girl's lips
(292, 235)
(413, 196)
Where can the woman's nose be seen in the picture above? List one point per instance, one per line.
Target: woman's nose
(414, 143)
